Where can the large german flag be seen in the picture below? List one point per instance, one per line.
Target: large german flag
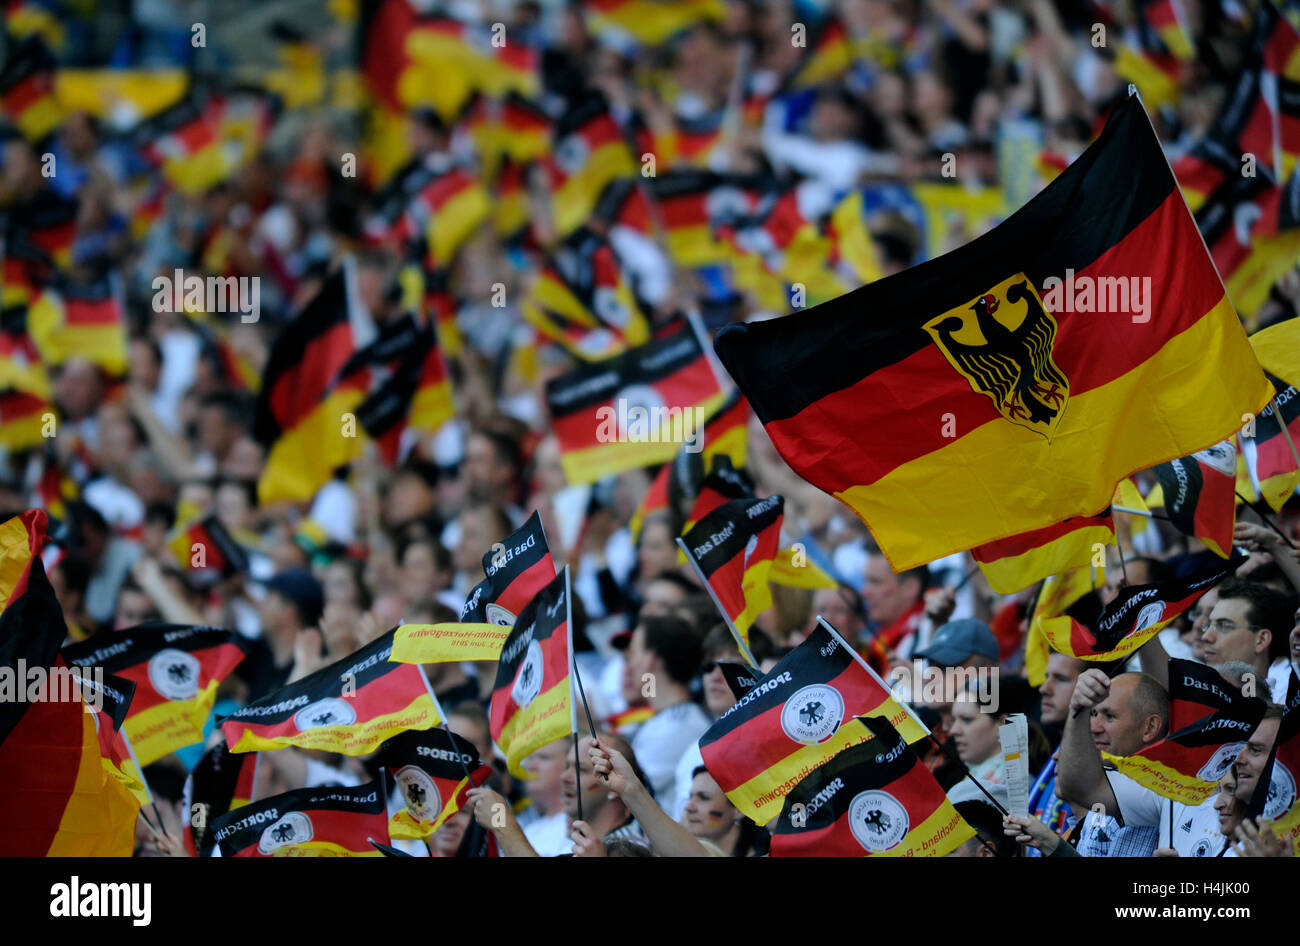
(517, 569)
(635, 409)
(1136, 615)
(349, 707)
(588, 152)
(1200, 494)
(855, 393)
(732, 548)
(430, 770)
(874, 798)
(176, 669)
(532, 702)
(304, 398)
(794, 719)
(1013, 564)
(57, 796)
(1209, 719)
(1275, 464)
(307, 822)
(221, 782)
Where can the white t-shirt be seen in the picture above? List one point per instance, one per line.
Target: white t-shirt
(1196, 829)
(1138, 805)
(549, 836)
(661, 741)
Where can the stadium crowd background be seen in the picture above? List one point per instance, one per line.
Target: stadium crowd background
(1013, 91)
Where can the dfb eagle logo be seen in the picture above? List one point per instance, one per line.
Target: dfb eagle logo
(877, 821)
(1006, 355)
(812, 714)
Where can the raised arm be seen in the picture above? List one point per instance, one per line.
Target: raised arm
(1080, 778)
(667, 837)
(494, 814)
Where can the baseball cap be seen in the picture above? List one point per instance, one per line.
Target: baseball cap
(958, 641)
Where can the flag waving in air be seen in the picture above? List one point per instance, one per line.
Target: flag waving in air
(1015, 563)
(176, 669)
(532, 702)
(1200, 494)
(732, 548)
(350, 707)
(307, 822)
(517, 569)
(1135, 616)
(795, 718)
(57, 795)
(1275, 464)
(1209, 719)
(635, 409)
(960, 401)
(874, 798)
(430, 770)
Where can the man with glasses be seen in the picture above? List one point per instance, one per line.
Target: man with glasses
(1250, 623)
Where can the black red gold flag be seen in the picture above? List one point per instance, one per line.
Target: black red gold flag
(532, 701)
(635, 409)
(1136, 615)
(1279, 802)
(1209, 719)
(1015, 563)
(874, 798)
(57, 795)
(795, 718)
(176, 669)
(305, 401)
(1275, 464)
(351, 707)
(430, 770)
(517, 570)
(1200, 494)
(732, 548)
(1036, 341)
(307, 822)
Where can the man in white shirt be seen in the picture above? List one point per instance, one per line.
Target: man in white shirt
(663, 657)
(1119, 716)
